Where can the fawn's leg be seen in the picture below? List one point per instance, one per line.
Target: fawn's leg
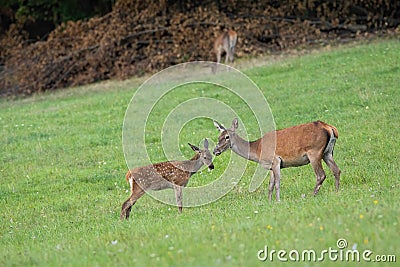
(137, 192)
(178, 196)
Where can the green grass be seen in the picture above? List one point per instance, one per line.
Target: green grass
(62, 172)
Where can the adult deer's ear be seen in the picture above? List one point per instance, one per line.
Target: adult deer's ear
(235, 124)
(219, 126)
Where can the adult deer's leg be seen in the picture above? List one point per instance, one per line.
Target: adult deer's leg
(276, 169)
(271, 185)
(227, 57)
(328, 158)
(318, 170)
(275, 179)
(232, 54)
(219, 55)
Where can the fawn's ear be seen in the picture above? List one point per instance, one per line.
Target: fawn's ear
(195, 148)
(205, 144)
(235, 124)
(219, 126)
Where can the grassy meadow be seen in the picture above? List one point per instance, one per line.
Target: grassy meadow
(62, 172)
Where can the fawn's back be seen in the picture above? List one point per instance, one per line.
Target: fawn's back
(159, 176)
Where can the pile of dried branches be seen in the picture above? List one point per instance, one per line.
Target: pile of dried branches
(147, 36)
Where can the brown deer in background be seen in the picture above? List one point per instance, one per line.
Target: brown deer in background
(225, 42)
(170, 174)
(295, 146)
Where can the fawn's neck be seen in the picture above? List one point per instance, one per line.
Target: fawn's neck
(192, 165)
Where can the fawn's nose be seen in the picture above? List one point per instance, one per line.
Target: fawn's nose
(216, 152)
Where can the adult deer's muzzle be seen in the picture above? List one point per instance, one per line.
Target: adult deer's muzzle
(216, 152)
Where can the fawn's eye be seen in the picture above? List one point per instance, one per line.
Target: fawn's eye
(226, 137)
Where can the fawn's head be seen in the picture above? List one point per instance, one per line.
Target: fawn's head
(224, 139)
(205, 155)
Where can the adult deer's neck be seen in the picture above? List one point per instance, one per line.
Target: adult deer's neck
(245, 149)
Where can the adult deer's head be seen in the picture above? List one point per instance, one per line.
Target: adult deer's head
(225, 137)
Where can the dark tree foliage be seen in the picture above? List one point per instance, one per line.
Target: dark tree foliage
(39, 17)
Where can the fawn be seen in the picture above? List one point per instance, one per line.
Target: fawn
(163, 175)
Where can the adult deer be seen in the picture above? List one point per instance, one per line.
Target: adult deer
(295, 146)
(163, 175)
(225, 42)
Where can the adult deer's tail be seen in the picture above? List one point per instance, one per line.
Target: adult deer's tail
(332, 140)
